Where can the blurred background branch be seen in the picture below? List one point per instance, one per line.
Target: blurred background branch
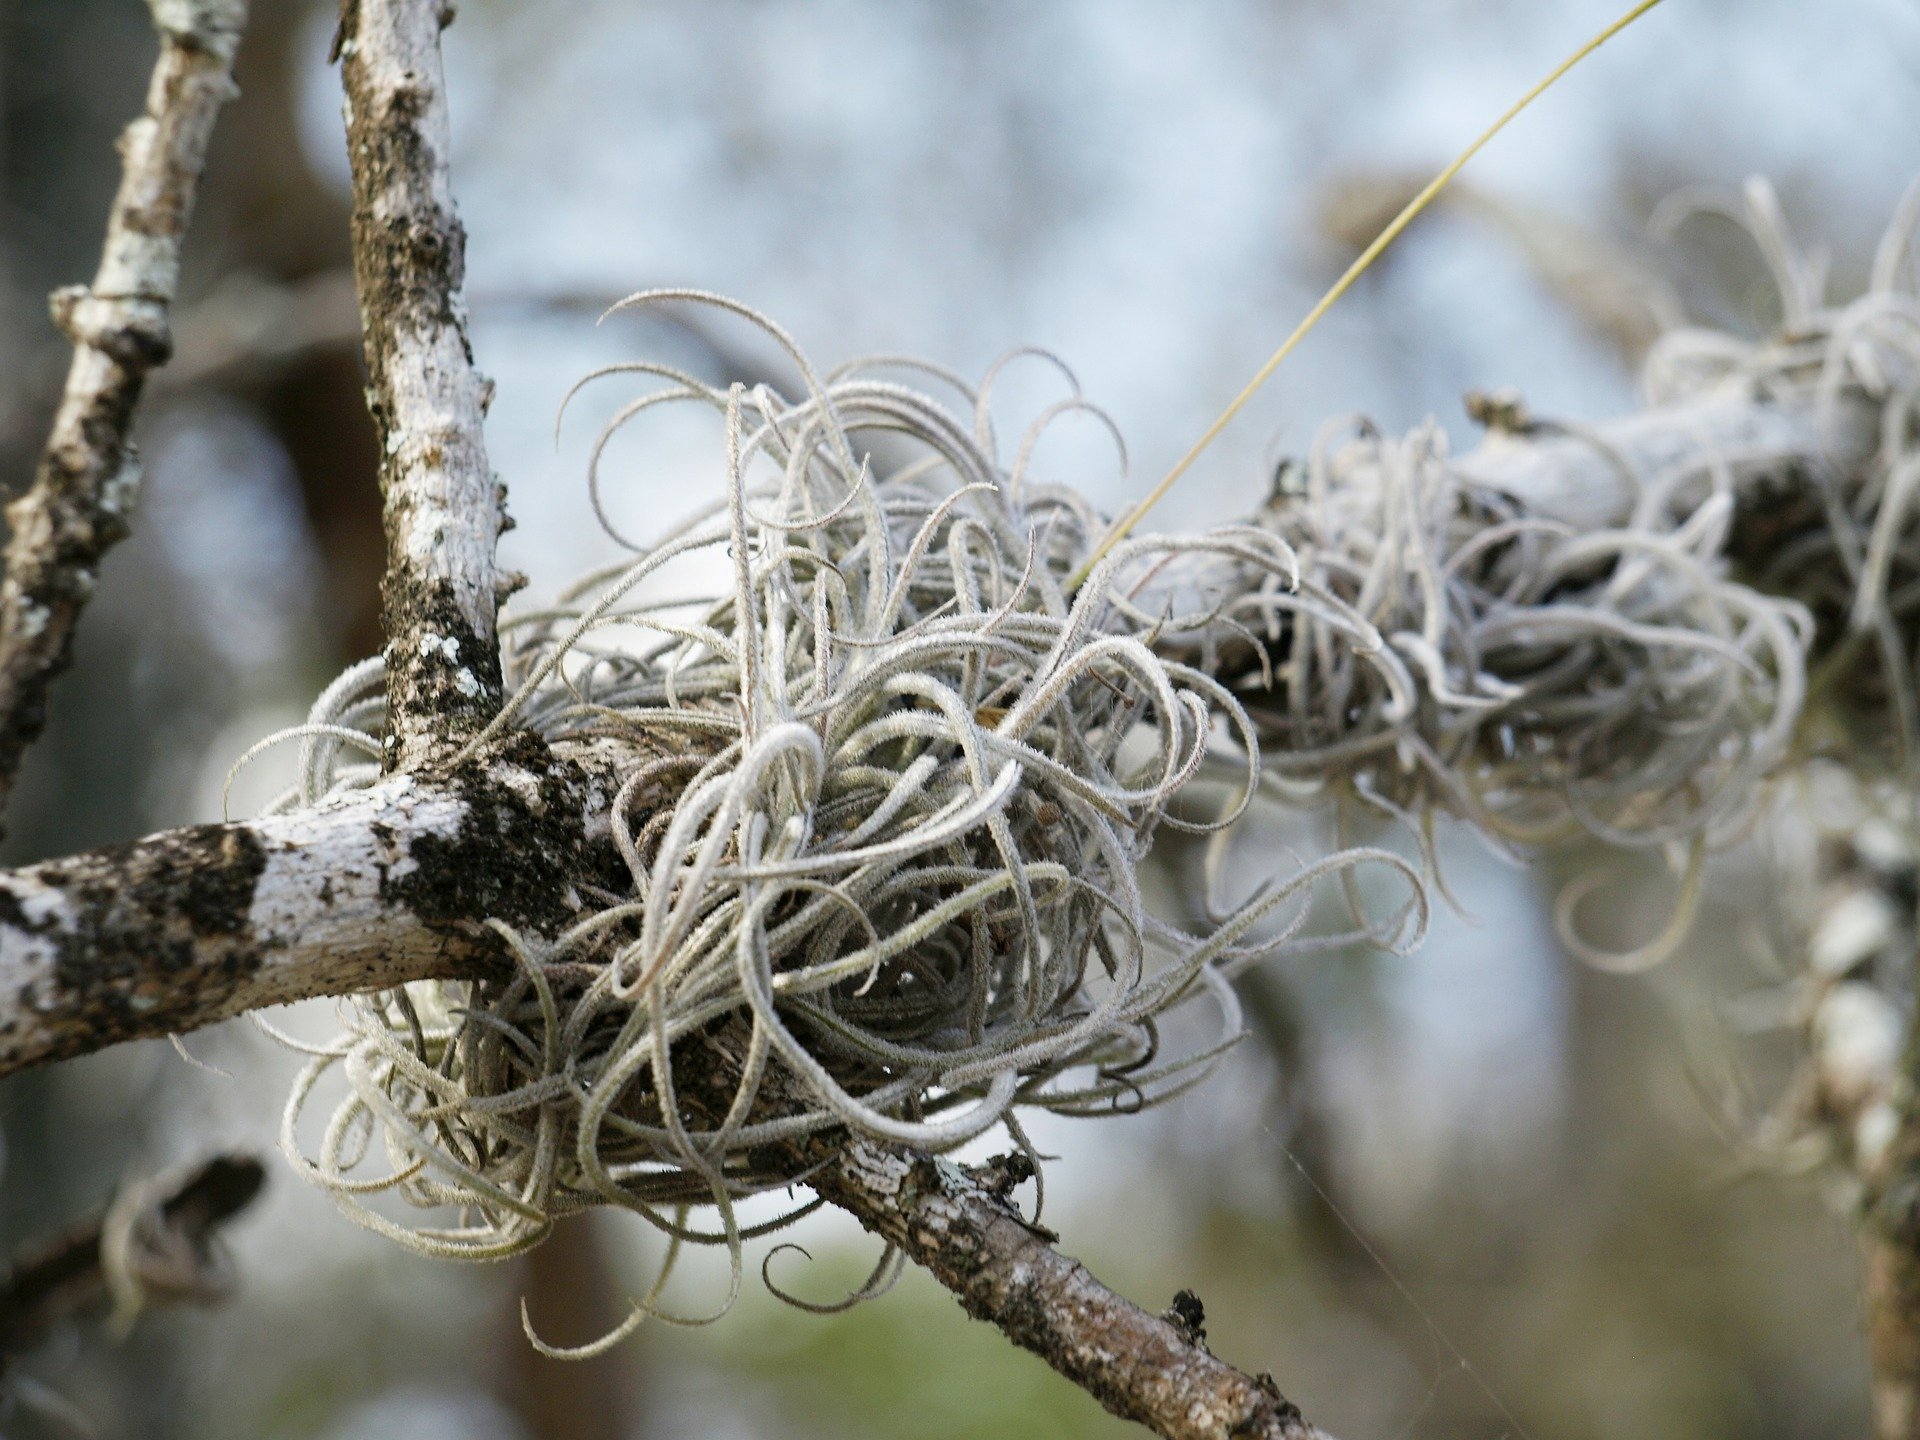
(155, 1243)
(83, 493)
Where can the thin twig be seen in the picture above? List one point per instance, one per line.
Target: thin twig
(84, 489)
(962, 1226)
(443, 510)
(1153, 1369)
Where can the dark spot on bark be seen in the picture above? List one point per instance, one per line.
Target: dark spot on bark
(429, 679)
(1189, 1316)
(1003, 1172)
(12, 916)
(1272, 1412)
(224, 866)
(166, 926)
(516, 857)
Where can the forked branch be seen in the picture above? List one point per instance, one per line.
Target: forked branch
(395, 883)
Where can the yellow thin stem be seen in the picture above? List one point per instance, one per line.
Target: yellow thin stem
(1120, 529)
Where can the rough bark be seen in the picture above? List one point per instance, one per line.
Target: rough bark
(192, 926)
(1870, 1097)
(1892, 1301)
(960, 1226)
(1891, 1296)
(443, 509)
(1865, 1095)
(84, 488)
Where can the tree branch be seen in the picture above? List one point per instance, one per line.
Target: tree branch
(962, 1227)
(1862, 1087)
(1152, 1369)
(171, 1223)
(1890, 1229)
(1590, 478)
(379, 889)
(83, 491)
(374, 890)
(192, 926)
(392, 884)
(443, 510)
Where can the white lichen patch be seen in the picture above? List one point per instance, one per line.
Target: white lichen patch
(120, 494)
(33, 619)
(445, 646)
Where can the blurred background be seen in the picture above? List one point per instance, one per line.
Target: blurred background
(1480, 1191)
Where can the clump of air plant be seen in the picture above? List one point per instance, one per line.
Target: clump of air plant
(1638, 682)
(1847, 545)
(900, 777)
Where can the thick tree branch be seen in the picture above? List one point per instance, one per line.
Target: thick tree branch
(192, 926)
(379, 889)
(1591, 478)
(443, 510)
(83, 492)
(374, 890)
